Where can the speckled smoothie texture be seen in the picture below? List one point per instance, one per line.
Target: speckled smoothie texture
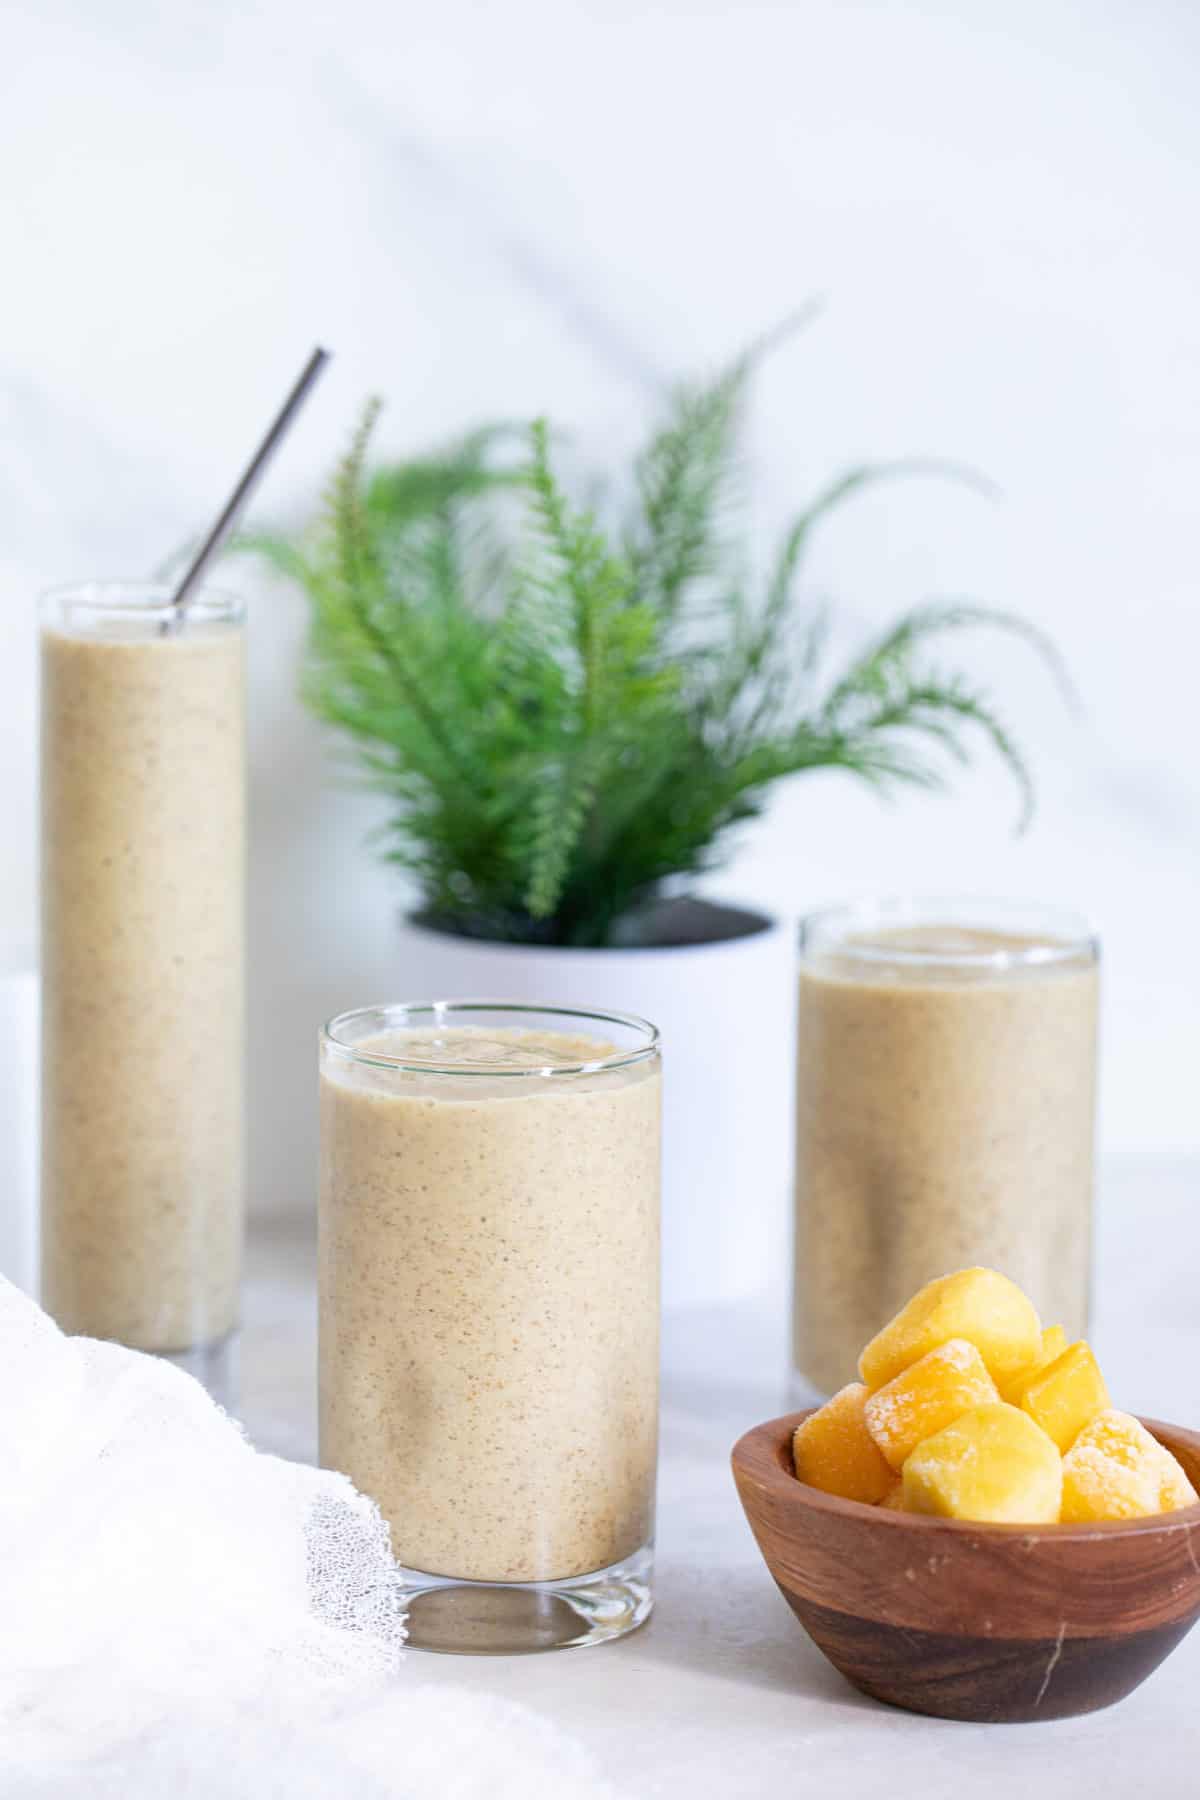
(489, 1301)
(142, 956)
(945, 1117)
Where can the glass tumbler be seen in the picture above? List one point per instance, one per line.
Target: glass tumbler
(946, 1083)
(489, 1310)
(143, 903)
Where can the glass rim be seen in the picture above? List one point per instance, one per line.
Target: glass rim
(147, 598)
(1061, 935)
(439, 1010)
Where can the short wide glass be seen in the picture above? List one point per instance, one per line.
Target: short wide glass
(946, 1089)
(489, 1311)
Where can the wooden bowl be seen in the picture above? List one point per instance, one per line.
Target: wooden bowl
(967, 1621)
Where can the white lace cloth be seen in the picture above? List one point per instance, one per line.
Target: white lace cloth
(182, 1617)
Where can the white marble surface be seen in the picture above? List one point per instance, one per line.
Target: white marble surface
(721, 1694)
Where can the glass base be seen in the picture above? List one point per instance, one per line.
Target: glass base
(510, 1618)
(217, 1368)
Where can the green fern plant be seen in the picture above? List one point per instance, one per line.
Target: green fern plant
(567, 715)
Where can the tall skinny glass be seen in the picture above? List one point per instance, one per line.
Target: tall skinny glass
(489, 1301)
(143, 884)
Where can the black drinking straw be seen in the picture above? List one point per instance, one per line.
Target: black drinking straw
(253, 472)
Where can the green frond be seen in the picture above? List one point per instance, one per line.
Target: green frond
(847, 486)
(357, 562)
(890, 655)
(683, 480)
(560, 809)
(597, 583)
(685, 476)
(885, 692)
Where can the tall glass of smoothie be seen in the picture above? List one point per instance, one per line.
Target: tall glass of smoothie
(489, 1306)
(945, 1114)
(143, 884)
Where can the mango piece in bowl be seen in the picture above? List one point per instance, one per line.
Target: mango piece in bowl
(986, 1417)
(1115, 1469)
(1054, 1342)
(981, 1305)
(993, 1464)
(833, 1450)
(931, 1393)
(1066, 1395)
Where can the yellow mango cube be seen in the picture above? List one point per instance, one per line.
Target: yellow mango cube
(1115, 1469)
(833, 1450)
(1175, 1490)
(1066, 1395)
(931, 1393)
(993, 1464)
(893, 1500)
(981, 1305)
(1054, 1342)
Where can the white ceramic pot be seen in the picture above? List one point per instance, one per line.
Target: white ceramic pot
(719, 982)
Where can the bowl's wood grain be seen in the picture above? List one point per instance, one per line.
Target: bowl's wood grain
(984, 1622)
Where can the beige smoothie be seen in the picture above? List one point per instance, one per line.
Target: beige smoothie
(489, 1297)
(143, 849)
(945, 1117)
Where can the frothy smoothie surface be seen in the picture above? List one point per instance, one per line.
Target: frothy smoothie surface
(946, 956)
(477, 1050)
(143, 894)
(489, 1297)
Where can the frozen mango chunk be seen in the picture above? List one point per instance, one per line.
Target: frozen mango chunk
(1116, 1470)
(1054, 1342)
(1066, 1395)
(981, 1305)
(931, 1393)
(833, 1450)
(992, 1464)
(893, 1500)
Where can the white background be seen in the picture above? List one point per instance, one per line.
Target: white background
(502, 210)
